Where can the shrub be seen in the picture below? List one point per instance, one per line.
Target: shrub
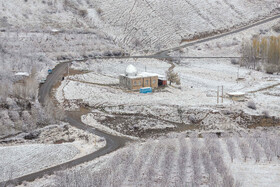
(99, 11)
(234, 61)
(276, 28)
(251, 105)
(271, 68)
(192, 119)
(83, 13)
(265, 113)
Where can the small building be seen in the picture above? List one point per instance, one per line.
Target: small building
(134, 80)
(22, 74)
(237, 96)
(162, 81)
(55, 31)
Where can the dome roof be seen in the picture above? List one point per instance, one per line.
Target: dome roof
(131, 70)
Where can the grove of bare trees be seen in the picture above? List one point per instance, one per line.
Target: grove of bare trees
(179, 161)
(262, 53)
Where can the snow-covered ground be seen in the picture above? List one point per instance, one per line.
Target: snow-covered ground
(228, 161)
(227, 46)
(199, 81)
(24, 159)
(145, 24)
(54, 145)
(40, 33)
(154, 25)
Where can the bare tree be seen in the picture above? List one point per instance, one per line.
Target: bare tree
(230, 148)
(172, 77)
(244, 147)
(167, 162)
(255, 148)
(182, 160)
(209, 167)
(195, 161)
(267, 144)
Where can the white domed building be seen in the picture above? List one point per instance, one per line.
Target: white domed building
(133, 80)
(131, 71)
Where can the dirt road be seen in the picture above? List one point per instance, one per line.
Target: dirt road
(112, 142)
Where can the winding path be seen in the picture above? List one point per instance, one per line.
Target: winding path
(112, 142)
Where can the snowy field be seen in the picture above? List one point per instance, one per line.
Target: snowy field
(24, 159)
(210, 161)
(193, 104)
(199, 81)
(54, 145)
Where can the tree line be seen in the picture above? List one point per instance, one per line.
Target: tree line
(262, 53)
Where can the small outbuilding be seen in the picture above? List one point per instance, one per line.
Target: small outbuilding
(236, 96)
(23, 74)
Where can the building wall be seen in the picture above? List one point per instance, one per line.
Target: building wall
(150, 82)
(136, 83)
(146, 82)
(125, 82)
(154, 82)
(139, 82)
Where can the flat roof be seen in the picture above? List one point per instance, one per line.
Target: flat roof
(22, 74)
(146, 74)
(236, 93)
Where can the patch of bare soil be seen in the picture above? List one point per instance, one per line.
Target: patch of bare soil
(145, 126)
(262, 121)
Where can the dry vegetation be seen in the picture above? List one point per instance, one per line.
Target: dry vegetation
(19, 107)
(179, 162)
(262, 53)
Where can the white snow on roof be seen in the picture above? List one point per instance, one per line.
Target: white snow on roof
(55, 30)
(22, 74)
(145, 74)
(236, 93)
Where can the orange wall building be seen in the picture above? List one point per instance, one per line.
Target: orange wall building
(134, 81)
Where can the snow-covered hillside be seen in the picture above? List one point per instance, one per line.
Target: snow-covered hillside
(164, 23)
(144, 24)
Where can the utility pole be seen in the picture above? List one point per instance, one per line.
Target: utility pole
(222, 94)
(68, 69)
(218, 95)
(238, 74)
